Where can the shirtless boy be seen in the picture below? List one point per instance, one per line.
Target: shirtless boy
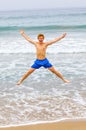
(41, 60)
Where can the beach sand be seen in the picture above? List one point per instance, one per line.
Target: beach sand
(63, 125)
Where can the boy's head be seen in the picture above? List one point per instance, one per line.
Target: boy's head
(41, 37)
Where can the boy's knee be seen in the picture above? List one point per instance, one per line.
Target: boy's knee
(52, 70)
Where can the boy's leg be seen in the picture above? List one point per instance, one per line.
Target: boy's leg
(53, 70)
(31, 70)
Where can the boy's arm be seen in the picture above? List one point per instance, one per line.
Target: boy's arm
(26, 37)
(56, 39)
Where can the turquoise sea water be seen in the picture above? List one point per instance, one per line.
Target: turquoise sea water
(43, 96)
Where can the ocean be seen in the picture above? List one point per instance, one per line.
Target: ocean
(42, 97)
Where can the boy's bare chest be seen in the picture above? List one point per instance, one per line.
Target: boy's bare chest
(41, 47)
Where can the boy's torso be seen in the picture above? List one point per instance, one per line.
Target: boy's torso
(41, 50)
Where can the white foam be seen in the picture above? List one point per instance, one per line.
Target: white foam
(79, 99)
(22, 46)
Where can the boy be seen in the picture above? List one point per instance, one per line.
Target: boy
(41, 60)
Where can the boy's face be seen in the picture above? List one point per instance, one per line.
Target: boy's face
(41, 39)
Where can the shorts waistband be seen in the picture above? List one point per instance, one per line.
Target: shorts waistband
(41, 60)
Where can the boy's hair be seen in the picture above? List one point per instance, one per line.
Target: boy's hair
(41, 35)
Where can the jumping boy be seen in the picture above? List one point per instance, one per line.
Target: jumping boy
(41, 60)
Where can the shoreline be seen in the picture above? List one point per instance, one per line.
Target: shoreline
(67, 124)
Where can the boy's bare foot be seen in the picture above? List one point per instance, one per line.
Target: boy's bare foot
(66, 81)
(19, 83)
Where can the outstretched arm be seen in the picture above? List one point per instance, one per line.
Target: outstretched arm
(26, 37)
(56, 39)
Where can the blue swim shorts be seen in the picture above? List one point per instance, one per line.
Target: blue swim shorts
(41, 63)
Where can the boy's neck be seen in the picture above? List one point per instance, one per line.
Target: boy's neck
(40, 43)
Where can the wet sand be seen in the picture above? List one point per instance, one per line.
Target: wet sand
(63, 125)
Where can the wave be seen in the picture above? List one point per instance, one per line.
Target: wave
(16, 17)
(43, 13)
(43, 16)
(46, 27)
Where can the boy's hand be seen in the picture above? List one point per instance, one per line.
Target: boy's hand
(64, 35)
(21, 32)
